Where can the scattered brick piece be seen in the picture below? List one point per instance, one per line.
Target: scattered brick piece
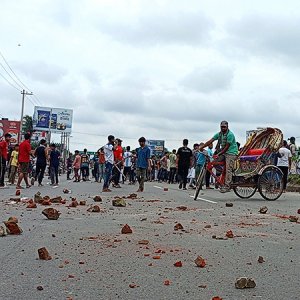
(293, 219)
(263, 210)
(2, 231)
(51, 213)
(166, 189)
(39, 288)
(200, 262)
(18, 192)
(178, 226)
(119, 202)
(74, 203)
(57, 199)
(167, 282)
(229, 234)
(13, 228)
(132, 196)
(143, 242)
(260, 259)
(229, 204)
(178, 264)
(13, 219)
(244, 282)
(126, 229)
(94, 208)
(44, 254)
(38, 198)
(156, 257)
(181, 208)
(216, 298)
(82, 202)
(97, 198)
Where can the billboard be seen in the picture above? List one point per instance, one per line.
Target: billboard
(12, 127)
(55, 120)
(157, 147)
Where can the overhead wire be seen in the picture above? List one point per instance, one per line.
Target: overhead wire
(9, 82)
(21, 84)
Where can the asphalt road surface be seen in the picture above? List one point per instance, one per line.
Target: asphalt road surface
(91, 259)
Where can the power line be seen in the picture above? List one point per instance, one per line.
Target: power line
(14, 72)
(23, 85)
(9, 82)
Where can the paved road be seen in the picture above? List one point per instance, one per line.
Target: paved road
(93, 260)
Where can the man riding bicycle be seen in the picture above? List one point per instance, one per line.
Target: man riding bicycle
(226, 150)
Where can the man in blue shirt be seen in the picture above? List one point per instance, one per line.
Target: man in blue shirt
(143, 163)
(54, 164)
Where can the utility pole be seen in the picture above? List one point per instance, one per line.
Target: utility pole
(24, 93)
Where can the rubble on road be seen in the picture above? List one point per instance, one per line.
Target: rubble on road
(44, 254)
(51, 213)
(245, 282)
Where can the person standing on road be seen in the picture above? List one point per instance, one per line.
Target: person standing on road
(24, 159)
(118, 157)
(109, 162)
(3, 157)
(85, 165)
(172, 158)
(143, 163)
(101, 164)
(69, 166)
(54, 164)
(41, 161)
(95, 160)
(76, 166)
(207, 174)
(127, 163)
(227, 150)
(184, 162)
(284, 162)
(13, 162)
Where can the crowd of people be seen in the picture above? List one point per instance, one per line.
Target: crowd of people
(114, 164)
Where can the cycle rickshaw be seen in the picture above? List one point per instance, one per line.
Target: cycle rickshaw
(253, 167)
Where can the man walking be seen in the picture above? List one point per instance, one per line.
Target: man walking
(41, 161)
(24, 159)
(54, 164)
(85, 165)
(127, 163)
(184, 162)
(118, 157)
(284, 162)
(3, 157)
(143, 163)
(109, 161)
(172, 158)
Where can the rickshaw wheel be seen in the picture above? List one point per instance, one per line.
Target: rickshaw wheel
(244, 192)
(199, 182)
(270, 183)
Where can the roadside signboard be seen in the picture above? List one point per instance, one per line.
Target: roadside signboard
(55, 120)
(12, 127)
(157, 147)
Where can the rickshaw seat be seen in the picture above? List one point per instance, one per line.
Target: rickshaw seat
(249, 157)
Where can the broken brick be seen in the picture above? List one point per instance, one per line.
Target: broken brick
(263, 210)
(13, 228)
(200, 262)
(178, 264)
(178, 226)
(51, 213)
(260, 259)
(229, 234)
(126, 229)
(94, 208)
(44, 254)
(97, 198)
(244, 282)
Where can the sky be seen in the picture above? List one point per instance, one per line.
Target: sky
(167, 69)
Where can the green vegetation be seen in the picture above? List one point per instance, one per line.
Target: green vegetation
(294, 179)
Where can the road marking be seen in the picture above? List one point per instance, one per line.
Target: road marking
(210, 201)
(158, 187)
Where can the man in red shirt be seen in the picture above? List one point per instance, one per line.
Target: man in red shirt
(24, 159)
(118, 156)
(3, 157)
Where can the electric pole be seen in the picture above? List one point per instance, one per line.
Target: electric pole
(24, 93)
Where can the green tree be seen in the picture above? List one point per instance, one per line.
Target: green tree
(27, 124)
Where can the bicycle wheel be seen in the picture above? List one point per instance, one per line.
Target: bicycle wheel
(270, 183)
(244, 192)
(199, 182)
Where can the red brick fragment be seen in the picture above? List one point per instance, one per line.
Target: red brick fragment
(44, 254)
(167, 282)
(13, 228)
(126, 229)
(178, 226)
(94, 208)
(229, 234)
(200, 262)
(178, 264)
(51, 213)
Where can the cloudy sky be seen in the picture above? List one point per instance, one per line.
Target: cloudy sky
(163, 69)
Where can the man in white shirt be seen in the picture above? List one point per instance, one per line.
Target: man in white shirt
(109, 161)
(127, 163)
(284, 162)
